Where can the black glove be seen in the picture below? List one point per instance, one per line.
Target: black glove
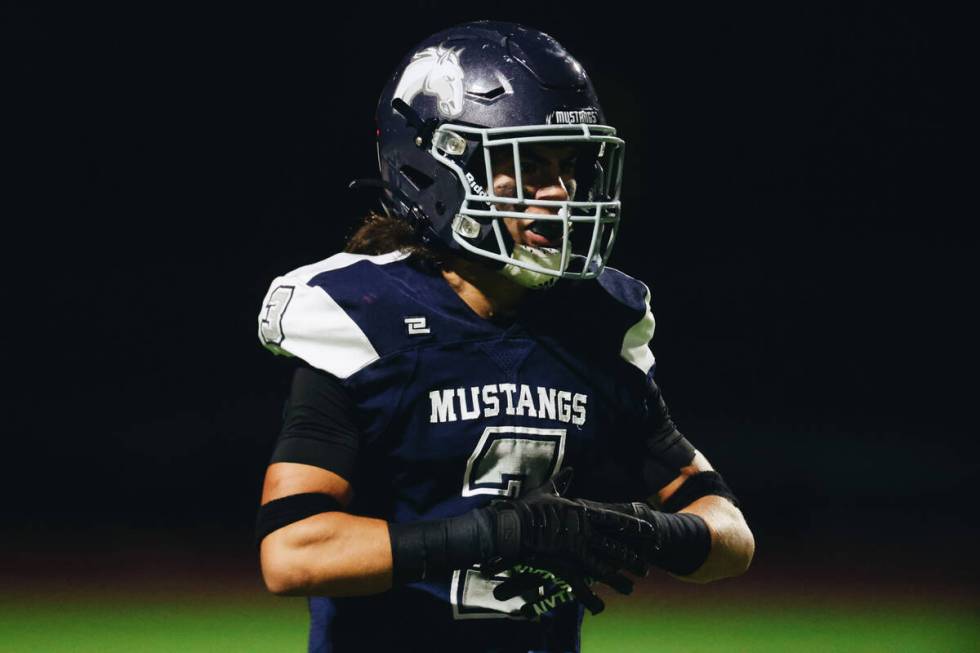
(564, 543)
(540, 590)
(541, 529)
(650, 545)
(680, 542)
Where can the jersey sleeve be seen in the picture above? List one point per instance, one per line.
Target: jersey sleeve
(319, 427)
(306, 322)
(652, 448)
(309, 313)
(318, 314)
(665, 450)
(636, 341)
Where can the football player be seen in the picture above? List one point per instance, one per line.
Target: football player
(467, 349)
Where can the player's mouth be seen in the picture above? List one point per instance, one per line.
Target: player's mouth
(544, 233)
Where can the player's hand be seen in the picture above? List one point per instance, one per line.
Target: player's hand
(568, 538)
(649, 543)
(540, 590)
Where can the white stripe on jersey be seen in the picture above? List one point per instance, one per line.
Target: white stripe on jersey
(306, 322)
(636, 342)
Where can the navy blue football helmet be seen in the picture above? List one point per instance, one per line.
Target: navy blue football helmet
(475, 92)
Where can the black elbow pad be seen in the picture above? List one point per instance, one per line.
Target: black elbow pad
(699, 485)
(282, 512)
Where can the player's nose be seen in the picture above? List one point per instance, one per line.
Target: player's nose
(555, 191)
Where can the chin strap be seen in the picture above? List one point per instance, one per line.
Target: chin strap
(544, 257)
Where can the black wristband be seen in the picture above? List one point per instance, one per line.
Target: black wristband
(421, 550)
(685, 541)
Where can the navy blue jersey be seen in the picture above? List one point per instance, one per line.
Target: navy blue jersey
(453, 410)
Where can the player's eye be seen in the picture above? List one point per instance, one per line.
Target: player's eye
(530, 167)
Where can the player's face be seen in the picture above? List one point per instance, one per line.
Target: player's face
(547, 173)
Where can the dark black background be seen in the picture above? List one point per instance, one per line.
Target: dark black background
(790, 197)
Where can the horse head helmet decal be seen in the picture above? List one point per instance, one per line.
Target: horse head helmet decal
(435, 71)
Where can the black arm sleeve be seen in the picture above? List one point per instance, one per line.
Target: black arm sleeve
(319, 427)
(666, 450)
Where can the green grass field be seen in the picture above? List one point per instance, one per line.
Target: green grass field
(83, 621)
(774, 629)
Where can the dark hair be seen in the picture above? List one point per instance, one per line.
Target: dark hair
(378, 233)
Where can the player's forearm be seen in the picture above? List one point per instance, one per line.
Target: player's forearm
(330, 554)
(732, 543)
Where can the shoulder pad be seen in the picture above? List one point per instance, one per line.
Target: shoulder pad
(634, 295)
(299, 317)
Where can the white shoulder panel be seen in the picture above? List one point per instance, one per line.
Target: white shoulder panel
(636, 342)
(304, 321)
